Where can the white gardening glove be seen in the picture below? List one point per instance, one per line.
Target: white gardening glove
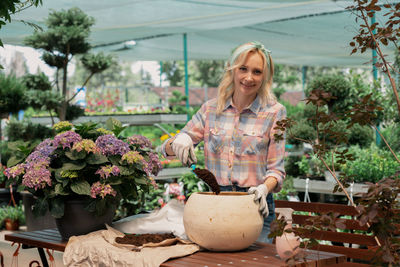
(183, 149)
(260, 195)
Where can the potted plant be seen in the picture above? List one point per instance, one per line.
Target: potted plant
(12, 217)
(84, 172)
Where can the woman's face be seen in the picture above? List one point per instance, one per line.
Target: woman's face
(248, 77)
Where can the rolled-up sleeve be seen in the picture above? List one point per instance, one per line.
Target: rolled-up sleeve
(276, 152)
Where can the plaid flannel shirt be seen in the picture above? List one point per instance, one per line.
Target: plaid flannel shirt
(240, 147)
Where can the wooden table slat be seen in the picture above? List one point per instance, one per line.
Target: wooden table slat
(41, 236)
(50, 239)
(259, 254)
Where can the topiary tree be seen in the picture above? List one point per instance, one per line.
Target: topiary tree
(67, 35)
(337, 86)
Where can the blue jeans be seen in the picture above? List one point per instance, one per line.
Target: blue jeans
(267, 221)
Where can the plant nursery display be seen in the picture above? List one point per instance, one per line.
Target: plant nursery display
(89, 163)
(12, 216)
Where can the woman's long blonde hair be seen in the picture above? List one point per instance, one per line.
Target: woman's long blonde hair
(238, 57)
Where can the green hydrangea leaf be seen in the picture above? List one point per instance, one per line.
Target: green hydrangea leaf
(59, 189)
(96, 159)
(57, 207)
(68, 166)
(81, 187)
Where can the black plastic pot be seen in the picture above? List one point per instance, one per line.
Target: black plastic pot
(78, 221)
(34, 223)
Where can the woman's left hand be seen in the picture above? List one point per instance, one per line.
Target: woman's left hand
(260, 195)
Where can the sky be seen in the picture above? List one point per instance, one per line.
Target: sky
(34, 62)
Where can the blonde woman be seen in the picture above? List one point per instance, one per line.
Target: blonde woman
(238, 131)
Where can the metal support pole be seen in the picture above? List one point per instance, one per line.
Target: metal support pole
(375, 75)
(303, 79)
(161, 71)
(186, 73)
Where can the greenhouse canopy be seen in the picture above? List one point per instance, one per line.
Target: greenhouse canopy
(297, 32)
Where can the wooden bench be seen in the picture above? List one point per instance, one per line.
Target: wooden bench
(360, 246)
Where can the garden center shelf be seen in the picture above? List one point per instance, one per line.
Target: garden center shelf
(171, 173)
(127, 119)
(325, 187)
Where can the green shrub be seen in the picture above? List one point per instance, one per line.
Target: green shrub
(338, 86)
(361, 135)
(356, 135)
(294, 112)
(370, 164)
(5, 153)
(291, 166)
(301, 130)
(311, 166)
(287, 189)
(12, 95)
(26, 131)
(392, 136)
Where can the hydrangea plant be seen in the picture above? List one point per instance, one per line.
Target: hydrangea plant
(86, 161)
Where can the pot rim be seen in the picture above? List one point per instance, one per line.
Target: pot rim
(225, 193)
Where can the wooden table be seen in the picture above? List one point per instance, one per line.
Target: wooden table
(259, 254)
(42, 239)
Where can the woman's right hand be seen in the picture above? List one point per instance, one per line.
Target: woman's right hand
(183, 149)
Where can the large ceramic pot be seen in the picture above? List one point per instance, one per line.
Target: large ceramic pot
(78, 221)
(229, 221)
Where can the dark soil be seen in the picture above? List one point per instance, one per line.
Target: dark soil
(139, 240)
(209, 178)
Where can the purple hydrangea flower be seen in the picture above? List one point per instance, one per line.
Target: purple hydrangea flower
(66, 139)
(110, 145)
(42, 151)
(37, 178)
(106, 171)
(153, 166)
(139, 140)
(46, 147)
(99, 189)
(15, 170)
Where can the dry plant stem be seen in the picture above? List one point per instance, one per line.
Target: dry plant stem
(383, 138)
(378, 48)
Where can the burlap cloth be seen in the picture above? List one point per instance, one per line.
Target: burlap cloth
(100, 249)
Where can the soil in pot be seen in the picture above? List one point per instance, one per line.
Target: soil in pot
(209, 178)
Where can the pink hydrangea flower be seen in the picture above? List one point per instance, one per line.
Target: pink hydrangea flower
(132, 157)
(86, 145)
(102, 190)
(110, 145)
(15, 170)
(66, 139)
(106, 171)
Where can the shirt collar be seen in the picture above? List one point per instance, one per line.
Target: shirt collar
(254, 106)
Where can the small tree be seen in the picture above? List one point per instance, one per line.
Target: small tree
(66, 36)
(337, 86)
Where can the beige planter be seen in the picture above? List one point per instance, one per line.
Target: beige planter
(229, 221)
